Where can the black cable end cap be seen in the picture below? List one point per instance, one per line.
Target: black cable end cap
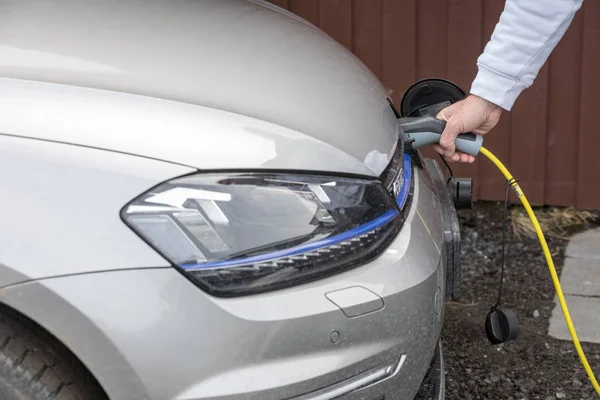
(502, 326)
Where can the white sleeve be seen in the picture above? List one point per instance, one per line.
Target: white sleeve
(522, 41)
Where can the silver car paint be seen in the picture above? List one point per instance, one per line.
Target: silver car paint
(150, 334)
(100, 101)
(60, 209)
(247, 58)
(187, 134)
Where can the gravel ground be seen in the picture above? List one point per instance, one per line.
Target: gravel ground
(535, 366)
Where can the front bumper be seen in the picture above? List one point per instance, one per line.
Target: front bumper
(434, 383)
(151, 334)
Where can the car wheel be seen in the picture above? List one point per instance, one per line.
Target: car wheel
(34, 366)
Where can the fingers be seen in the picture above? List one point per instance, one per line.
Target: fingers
(447, 112)
(456, 157)
(453, 158)
(469, 115)
(461, 157)
(466, 158)
(450, 132)
(440, 150)
(448, 137)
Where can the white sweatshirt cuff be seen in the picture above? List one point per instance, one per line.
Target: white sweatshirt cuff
(496, 88)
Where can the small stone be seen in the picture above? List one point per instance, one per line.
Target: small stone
(577, 383)
(560, 395)
(536, 314)
(494, 378)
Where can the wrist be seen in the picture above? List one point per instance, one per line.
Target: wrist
(487, 105)
(496, 88)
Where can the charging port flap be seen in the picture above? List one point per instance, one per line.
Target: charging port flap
(451, 229)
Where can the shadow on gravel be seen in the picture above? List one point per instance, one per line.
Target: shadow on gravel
(535, 366)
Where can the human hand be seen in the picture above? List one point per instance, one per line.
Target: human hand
(473, 114)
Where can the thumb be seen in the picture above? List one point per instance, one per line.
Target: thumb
(446, 113)
(451, 131)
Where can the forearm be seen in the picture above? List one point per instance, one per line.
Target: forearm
(522, 41)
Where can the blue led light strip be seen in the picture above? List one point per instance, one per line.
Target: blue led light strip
(304, 248)
(403, 195)
(308, 247)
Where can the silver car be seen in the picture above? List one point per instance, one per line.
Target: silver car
(209, 200)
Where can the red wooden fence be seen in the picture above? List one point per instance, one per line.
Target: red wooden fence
(550, 139)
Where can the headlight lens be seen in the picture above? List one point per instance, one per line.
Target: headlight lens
(238, 234)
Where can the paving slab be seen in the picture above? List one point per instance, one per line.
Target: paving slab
(581, 276)
(585, 315)
(585, 245)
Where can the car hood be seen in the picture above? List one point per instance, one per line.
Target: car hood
(243, 58)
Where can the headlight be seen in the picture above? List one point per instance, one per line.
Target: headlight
(237, 234)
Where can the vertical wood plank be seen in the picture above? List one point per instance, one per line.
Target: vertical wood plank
(588, 177)
(367, 33)
(432, 28)
(464, 47)
(431, 44)
(336, 19)
(528, 138)
(563, 117)
(399, 46)
(307, 9)
(491, 184)
(281, 3)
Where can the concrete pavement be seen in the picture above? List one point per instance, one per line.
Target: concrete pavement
(580, 280)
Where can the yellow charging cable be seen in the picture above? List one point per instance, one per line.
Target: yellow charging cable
(555, 280)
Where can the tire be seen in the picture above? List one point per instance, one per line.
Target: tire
(35, 366)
